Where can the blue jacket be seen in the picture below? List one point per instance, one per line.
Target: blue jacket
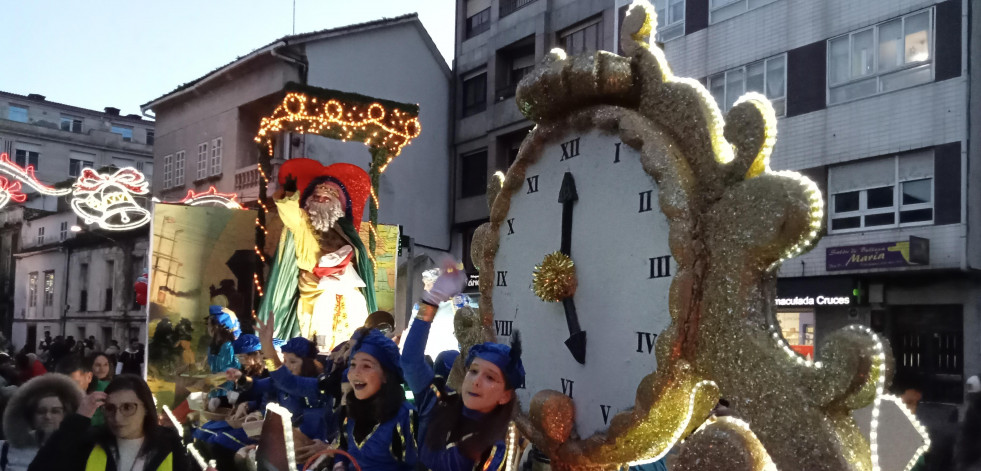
(420, 377)
(379, 451)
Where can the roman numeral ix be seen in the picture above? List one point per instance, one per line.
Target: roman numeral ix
(570, 149)
(502, 278)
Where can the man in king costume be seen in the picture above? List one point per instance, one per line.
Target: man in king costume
(322, 282)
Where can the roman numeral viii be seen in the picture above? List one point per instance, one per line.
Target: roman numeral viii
(660, 266)
(502, 278)
(503, 328)
(570, 149)
(532, 184)
(567, 387)
(645, 339)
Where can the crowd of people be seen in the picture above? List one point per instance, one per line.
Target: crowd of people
(349, 408)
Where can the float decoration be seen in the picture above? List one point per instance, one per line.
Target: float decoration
(107, 199)
(211, 198)
(732, 221)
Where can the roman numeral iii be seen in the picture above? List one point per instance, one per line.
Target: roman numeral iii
(660, 266)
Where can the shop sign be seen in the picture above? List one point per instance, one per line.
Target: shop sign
(473, 281)
(819, 300)
(912, 252)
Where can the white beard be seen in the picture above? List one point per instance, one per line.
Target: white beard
(324, 215)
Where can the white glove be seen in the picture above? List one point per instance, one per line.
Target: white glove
(450, 283)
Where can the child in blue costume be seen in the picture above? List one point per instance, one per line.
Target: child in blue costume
(377, 426)
(307, 407)
(465, 430)
(223, 327)
(223, 439)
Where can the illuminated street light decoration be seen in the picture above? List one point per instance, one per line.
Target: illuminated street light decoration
(10, 190)
(107, 199)
(26, 176)
(211, 198)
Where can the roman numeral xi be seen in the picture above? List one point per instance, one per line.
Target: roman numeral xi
(532, 184)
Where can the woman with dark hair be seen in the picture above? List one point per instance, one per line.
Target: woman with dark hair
(101, 368)
(466, 429)
(33, 414)
(131, 440)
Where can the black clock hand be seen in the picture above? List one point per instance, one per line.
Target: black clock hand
(577, 337)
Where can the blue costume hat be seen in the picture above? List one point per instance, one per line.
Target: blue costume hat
(246, 343)
(300, 347)
(376, 344)
(225, 318)
(508, 359)
(444, 362)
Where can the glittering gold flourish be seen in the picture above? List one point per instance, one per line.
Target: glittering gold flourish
(555, 278)
(732, 222)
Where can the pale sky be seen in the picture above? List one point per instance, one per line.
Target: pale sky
(120, 53)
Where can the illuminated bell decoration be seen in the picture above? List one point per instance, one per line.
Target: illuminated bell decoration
(107, 200)
(10, 191)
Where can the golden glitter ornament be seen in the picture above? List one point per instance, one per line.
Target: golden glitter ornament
(555, 278)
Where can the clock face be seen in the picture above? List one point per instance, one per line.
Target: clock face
(618, 240)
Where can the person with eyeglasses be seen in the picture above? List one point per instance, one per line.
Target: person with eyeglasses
(131, 440)
(33, 414)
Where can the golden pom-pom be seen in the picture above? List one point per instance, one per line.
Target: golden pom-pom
(555, 278)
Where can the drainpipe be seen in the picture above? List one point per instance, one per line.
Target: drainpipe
(300, 63)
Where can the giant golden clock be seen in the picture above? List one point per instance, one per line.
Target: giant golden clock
(675, 226)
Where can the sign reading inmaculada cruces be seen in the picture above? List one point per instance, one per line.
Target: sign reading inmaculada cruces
(913, 252)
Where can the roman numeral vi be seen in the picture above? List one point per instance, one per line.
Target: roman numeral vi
(567, 387)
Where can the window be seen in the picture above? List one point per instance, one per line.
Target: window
(40, 235)
(510, 6)
(579, 39)
(216, 156)
(202, 161)
(17, 113)
(49, 286)
(71, 124)
(768, 77)
(890, 192)
(111, 275)
(478, 23)
(32, 289)
(473, 174)
(83, 293)
(63, 231)
(75, 166)
(474, 94)
(721, 10)
(150, 137)
(885, 57)
(670, 19)
(120, 162)
(125, 131)
(516, 61)
(168, 177)
(179, 168)
(145, 167)
(25, 158)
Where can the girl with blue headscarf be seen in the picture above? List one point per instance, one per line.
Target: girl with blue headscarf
(224, 329)
(463, 430)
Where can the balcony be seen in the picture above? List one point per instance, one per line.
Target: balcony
(478, 23)
(510, 6)
(247, 183)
